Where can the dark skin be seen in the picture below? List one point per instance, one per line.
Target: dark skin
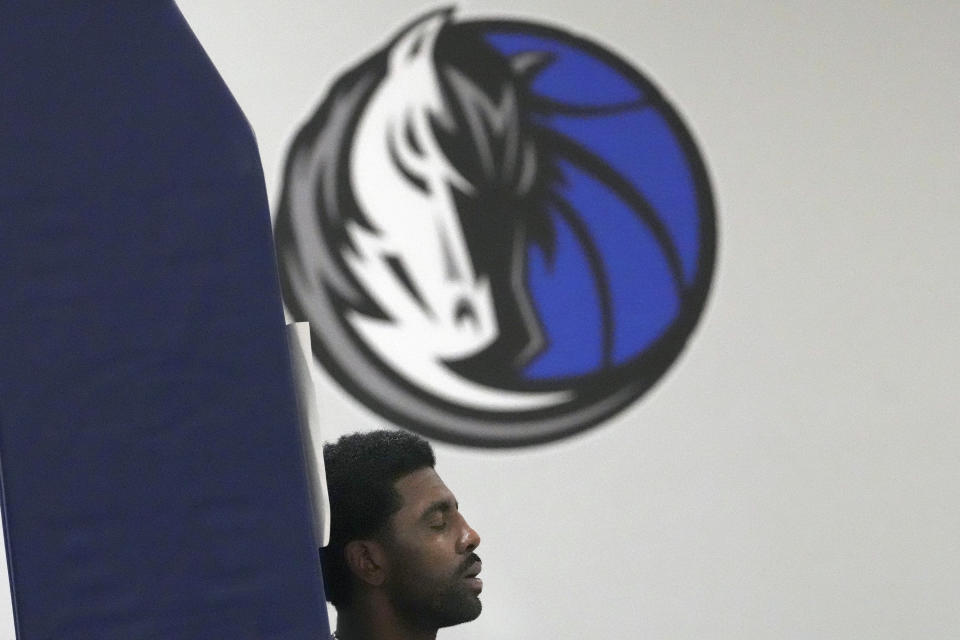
(420, 575)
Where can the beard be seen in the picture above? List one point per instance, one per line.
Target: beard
(427, 602)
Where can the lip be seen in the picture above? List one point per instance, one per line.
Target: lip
(474, 583)
(470, 576)
(473, 570)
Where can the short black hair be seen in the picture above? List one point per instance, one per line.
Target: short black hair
(361, 469)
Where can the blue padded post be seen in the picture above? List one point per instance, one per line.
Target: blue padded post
(153, 475)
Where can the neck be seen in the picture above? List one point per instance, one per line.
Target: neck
(375, 619)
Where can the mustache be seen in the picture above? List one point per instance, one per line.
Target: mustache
(471, 560)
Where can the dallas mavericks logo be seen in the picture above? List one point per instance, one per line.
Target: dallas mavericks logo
(500, 233)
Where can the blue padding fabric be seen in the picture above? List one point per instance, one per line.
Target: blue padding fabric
(153, 477)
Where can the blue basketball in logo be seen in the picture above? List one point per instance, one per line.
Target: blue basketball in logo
(630, 211)
(501, 233)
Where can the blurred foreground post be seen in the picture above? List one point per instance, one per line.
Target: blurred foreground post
(154, 483)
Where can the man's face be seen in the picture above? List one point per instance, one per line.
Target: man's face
(432, 581)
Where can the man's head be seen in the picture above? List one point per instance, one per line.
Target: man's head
(397, 533)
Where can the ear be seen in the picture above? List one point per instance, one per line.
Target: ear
(367, 560)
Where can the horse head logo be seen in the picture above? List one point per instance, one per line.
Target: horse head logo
(414, 201)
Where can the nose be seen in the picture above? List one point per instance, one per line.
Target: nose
(469, 539)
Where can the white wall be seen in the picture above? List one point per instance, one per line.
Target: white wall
(797, 473)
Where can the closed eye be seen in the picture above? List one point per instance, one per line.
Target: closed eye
(435, 516)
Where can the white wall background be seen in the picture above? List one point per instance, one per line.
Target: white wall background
(797, 473)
